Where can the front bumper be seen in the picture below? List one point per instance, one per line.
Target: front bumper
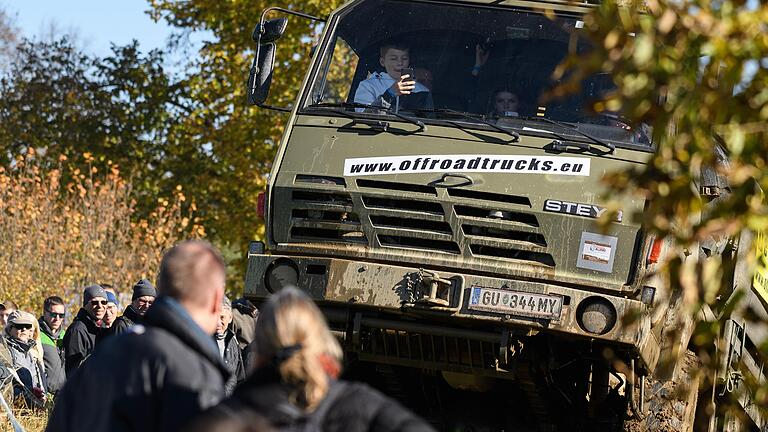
(442, 298)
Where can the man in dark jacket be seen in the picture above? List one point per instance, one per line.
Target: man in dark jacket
(81, 334)
(157, 374)
(52, 338)
(229, 349)
(144, 294)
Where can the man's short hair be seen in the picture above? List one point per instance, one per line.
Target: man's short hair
(186, 268)
(10, 304)
(51, 302)
(392, 45)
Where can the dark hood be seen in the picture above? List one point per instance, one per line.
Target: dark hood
(168, 314)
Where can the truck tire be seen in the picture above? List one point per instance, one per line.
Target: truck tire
(669, 405)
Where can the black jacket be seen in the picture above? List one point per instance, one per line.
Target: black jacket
(354, 407)
(53, 358)
(233, 359)
(128, 319)
(151, 378)
(79, 340)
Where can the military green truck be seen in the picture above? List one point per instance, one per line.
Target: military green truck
(449, 235)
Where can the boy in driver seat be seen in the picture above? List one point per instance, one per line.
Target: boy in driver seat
(393, 88)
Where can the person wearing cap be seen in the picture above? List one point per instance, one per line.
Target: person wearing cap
(80, 337)
(21, 341)
(229, 349)
(111, 313)
(52, 338)
(109, 316)
(144, 295)
(160, 373)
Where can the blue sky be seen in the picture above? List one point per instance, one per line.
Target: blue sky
(96, 22)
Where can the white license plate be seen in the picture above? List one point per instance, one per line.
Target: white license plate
(516, 303)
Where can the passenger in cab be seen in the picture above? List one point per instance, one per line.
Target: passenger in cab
(503, 104)
(295, 385)
(392, 88)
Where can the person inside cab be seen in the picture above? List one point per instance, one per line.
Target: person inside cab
(394, 88)
(503, 104)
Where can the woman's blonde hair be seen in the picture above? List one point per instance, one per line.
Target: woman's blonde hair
(292, 334)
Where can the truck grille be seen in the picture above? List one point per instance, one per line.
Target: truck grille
(460, 222)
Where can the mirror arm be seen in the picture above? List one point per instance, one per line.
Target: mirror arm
(275, 108)
(287, 11)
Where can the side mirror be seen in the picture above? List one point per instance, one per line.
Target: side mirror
(265, 34)
(260, 77)
(271, 31)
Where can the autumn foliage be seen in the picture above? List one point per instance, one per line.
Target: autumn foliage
(64, 228)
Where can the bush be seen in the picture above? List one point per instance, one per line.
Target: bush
(62, 229)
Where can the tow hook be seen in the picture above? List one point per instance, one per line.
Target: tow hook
(437, 290)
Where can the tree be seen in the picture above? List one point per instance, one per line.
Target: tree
(227, 146)
(61, 102)
(696, 72)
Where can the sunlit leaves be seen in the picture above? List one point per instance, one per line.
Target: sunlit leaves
(695, 71)
(57, 235)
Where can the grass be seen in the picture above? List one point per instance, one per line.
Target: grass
(31, 420)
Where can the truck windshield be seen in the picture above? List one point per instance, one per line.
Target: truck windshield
(492, 64)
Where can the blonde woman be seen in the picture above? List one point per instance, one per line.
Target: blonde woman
(295, 385)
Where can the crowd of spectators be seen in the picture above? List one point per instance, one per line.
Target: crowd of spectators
(182, 356)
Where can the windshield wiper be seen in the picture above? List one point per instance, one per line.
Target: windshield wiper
(351, 114)
(595, 140)
(515, 136)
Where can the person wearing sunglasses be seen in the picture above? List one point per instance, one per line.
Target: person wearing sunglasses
(52, 338)
(80, 338)
(158, 374)
(22, 345)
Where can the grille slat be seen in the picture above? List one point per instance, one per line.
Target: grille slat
(416, 205)
(425, 235)
(331, 235)
(299, 205)
(507, 244)
(389, 186)
(409, 224)
(509, 253)
(480, 234)
(418, 243)
(307, 223)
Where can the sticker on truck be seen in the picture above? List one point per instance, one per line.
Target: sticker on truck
(560, 165)
(596, 252)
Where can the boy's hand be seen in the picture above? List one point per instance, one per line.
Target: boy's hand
(404, 86)
(481, 57)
